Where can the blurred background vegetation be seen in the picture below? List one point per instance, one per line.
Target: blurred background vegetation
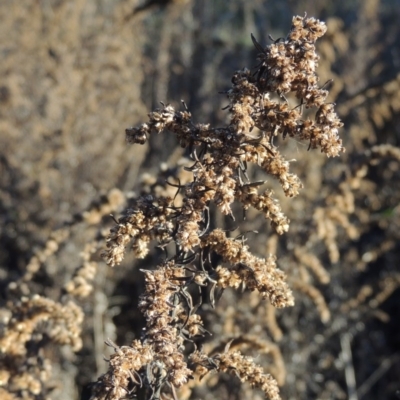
(75, 73)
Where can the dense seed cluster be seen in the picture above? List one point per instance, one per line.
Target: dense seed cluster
(263, 104)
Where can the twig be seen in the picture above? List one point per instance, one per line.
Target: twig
(350, 376)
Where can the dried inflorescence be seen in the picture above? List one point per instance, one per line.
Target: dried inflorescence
(161, 351)
(24, 370)
(248, 270)
(221, 154)
(260, 110)
(30, 321)
(146, 220)
(61, 323)
(243, 367)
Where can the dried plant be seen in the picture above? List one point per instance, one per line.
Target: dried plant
(268, 102)
(30, 321)
(74, 69)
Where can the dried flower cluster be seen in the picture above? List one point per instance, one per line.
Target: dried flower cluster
(244, 367)
(31, 321)
(64, 80)
(259, 112)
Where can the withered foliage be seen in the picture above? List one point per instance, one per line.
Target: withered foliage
(259, 112)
